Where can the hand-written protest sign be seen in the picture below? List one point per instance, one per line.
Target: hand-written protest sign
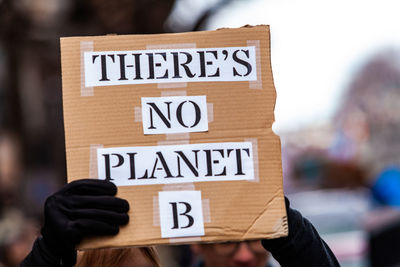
(184, 132)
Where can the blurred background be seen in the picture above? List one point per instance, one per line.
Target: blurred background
(336, 68)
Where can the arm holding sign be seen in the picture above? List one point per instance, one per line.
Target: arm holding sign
(303, 246)
(80, 209)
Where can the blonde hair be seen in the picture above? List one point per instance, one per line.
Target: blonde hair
(116, 257)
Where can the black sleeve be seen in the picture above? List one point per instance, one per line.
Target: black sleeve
(41, 256)
(302, 247)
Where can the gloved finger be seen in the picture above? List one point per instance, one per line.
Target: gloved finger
(106, 216)
(87, 227)
(96, 202)
(93, 187)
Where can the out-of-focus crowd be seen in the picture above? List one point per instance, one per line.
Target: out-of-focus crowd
(32, 156)
(350, 166)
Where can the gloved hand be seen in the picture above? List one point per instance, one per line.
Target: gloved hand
(303, 246)
(80, 209)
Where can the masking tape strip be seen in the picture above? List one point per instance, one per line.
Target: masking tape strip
(254, 142)
(171, 46)
(85, 46)
(210, 112)
(93, 160)
(206, 210)
(258, 83)
(174, 93)
(175, 139)
(179, 187)
(172, 142)
(178, 137)
(156, 211)
(138, 114)
(171, 85)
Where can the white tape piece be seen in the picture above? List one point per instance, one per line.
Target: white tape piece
(138, 114)
(130, 166)
(170, 46)
(171, 85)
(93, 161)
(179, 187)
(219, 64)
(85, 46)
(257, 84)
(174, 114)
(210, 112)
(156, 211)
(173, 142)
(206, 210)
(181, 214)
(173, 93)
(254, 143)
(178, 137)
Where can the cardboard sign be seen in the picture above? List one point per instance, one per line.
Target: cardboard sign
(181, 123)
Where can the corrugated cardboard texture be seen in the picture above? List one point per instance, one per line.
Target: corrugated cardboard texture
(238, 210)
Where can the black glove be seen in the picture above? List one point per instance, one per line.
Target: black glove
(80, 209)
(302, 247)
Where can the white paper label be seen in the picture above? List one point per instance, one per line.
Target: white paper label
(175, 114)
(176, 164)
(181, 214)
(170, 65)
